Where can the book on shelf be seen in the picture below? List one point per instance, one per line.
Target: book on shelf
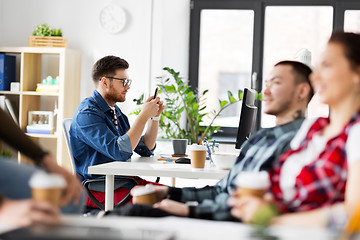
(47, 88)
(7, 71)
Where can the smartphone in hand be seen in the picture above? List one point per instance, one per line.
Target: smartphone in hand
(156, 91)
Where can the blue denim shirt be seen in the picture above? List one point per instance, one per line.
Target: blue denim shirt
(94, 138)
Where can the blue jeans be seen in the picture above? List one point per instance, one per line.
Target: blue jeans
(14, 183)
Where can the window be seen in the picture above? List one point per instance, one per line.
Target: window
(288, 31)
(234, 44)
(225, 60)
(352, 21)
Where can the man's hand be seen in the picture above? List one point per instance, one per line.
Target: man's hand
(73, 185)
(245, 207)
(150, 108)
(23, 213)
(173, 207)
(161, 192)
(161, 108)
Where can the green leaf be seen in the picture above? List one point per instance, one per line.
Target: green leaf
(240, 94)
(202, 108)
(170, 89)
(231, 98)
(223, 103)
(136, 112)
(140, 100)
(204, 92)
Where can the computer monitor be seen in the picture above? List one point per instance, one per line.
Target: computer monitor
(247, 117)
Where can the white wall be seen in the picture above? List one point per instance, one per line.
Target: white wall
(156, 35)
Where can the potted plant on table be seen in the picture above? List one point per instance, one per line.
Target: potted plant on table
(180, 102)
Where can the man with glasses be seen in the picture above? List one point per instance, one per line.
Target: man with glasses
(100, 132)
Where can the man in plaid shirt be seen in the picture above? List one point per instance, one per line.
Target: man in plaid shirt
(286, 95)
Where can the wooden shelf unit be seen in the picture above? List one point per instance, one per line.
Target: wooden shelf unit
(34, 64)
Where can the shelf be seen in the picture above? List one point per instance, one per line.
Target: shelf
(34, 93)
(37, 135)
(37, 50)
(9, 93)
(33, 64)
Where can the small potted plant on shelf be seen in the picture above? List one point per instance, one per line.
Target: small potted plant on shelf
(180, 102)
(5, 153)
(45, 36)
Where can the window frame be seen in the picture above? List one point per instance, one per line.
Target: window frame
(228, 134)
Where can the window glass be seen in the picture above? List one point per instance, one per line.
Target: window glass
(288, 32)
(225, 61)
(352, 21)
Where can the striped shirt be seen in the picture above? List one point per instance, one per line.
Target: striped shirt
(258, 153)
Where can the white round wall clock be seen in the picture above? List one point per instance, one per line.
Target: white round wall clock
(112, 18)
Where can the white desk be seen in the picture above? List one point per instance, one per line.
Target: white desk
(149, 166)
(189, 229)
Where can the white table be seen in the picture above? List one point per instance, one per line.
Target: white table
(191, 229)
(149, 166)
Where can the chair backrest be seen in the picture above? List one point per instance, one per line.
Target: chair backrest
(247, 117)
(66, 128)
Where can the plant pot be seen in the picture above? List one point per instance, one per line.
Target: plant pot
(38, 41)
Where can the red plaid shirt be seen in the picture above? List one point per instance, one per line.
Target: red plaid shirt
(323, 181)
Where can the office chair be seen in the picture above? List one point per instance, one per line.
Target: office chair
(97, 184)
(247, 117)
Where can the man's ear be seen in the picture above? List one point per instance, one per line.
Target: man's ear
(304, 90)
(104, 82)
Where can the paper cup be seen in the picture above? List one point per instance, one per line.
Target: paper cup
(47, 187)
(144, 195)
(197, 156)
(252, 183)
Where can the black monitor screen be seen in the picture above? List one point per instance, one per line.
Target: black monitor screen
(247, 117)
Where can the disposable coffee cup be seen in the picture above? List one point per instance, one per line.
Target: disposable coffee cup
(252, 183)
(145, 195)
(179, 146)
(47, 187)
(197, 157)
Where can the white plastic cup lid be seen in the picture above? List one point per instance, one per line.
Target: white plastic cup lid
(196, 147)
(148, 188)
(253, 180)
(42, 179)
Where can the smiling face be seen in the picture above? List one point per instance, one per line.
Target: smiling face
(334, 80)
(279, 94)
(115, 90)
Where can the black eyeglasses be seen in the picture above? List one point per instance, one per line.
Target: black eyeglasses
(126, 81)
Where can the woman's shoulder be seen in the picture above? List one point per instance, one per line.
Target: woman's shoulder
(301, 133)
(352, 143)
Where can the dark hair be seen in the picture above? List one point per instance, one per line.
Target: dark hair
(301, 73)
(107, 66)
(351, 44)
